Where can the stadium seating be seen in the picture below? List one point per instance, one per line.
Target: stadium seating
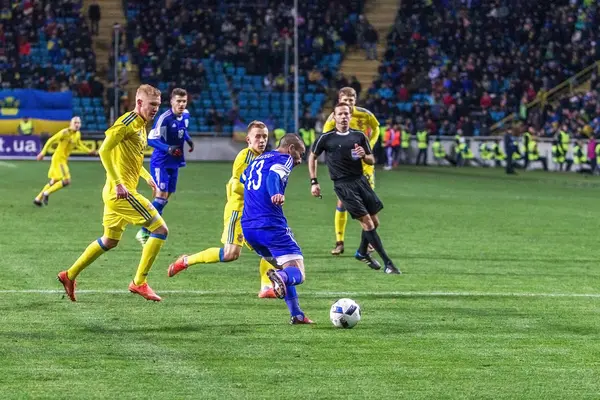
(47, 45)
(446, 61)
(242, 56)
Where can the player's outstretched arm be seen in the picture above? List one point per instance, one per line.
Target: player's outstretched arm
(81, 146)
(53, 139)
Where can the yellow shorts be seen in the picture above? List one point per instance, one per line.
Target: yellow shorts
(369, 173)
(59, 170)
(135, 210)
(232, 227)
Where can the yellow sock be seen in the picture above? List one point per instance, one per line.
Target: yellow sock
(341, 217)
(57, 186)
(39, 196)
(149, 253)
(207, 256)
(91, 253)
(263, 267)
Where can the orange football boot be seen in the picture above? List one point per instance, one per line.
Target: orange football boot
(267, 294)
(144, 290)
(69, 285)
(179, 265)
(301, 321)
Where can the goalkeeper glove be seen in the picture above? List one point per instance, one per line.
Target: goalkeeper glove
(175, 151)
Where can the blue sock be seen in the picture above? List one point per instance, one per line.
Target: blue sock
(291, 275)
(159, 204)
(291, 299)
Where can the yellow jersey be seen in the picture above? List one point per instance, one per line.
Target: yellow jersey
(362, 120)
(235, 189)
(67, 140)
(122, 152)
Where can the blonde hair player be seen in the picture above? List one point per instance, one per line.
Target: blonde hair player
(257, 137)
(362, 120)
(67, 140)
(122, 154)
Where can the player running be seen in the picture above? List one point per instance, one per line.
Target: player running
(122, 154)
(68, 139)
(265, 226)
(362, 120)
(167, 136)
(347, 150)
(232, 238)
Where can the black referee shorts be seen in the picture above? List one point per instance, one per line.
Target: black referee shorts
(357, 197)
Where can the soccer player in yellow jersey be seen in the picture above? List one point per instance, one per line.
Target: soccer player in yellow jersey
(233, 239)
(67, 139)
(362, 120)
(122, 154)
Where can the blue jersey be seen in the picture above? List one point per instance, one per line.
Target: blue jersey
(259, 211)
(168, 130)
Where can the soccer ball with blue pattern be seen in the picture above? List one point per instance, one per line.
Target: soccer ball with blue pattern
(345, 313)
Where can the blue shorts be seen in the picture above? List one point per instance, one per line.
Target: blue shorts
(165, 178)
(277, 243)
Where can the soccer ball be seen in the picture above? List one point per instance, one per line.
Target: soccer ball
(345, 313)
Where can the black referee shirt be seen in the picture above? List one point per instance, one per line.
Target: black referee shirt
(340, 157)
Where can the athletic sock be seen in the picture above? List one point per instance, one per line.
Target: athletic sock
(263, 267)
(291, 299)
(340, 220)
(375, 240)
(364, 244)
(208, 256)
(149, 253)
(91, 253)
(291, 276)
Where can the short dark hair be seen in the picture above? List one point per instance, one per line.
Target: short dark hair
(178, 92)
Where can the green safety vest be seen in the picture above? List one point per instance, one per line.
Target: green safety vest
(279, 133)
(527, 139)
(579, 156)
(532, 150)
(26, 127)
(422, 139)
(405, 139)
(438, 150)
(564, 140)
(558, 155)
(598, 153)
(498, 153)
(484, 152)
(308, 136)
(467, 152)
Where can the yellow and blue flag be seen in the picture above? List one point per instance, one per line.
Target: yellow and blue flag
(49, 111)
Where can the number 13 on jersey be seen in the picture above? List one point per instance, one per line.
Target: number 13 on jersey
(254, 181)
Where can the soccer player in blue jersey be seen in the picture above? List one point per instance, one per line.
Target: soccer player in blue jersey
(264, 225)
(169, 132)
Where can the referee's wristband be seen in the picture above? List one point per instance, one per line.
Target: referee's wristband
(314, 181)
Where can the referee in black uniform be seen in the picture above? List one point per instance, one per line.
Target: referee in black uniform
(345, 148)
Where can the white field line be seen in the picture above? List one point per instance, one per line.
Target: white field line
(314, 293)
(7, 164)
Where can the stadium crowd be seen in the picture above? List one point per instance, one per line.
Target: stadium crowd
(46, 44)
(453, 65)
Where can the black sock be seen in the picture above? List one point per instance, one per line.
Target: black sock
(364, 243)
(375, 240)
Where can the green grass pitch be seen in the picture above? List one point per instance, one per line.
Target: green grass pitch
(499, 299)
